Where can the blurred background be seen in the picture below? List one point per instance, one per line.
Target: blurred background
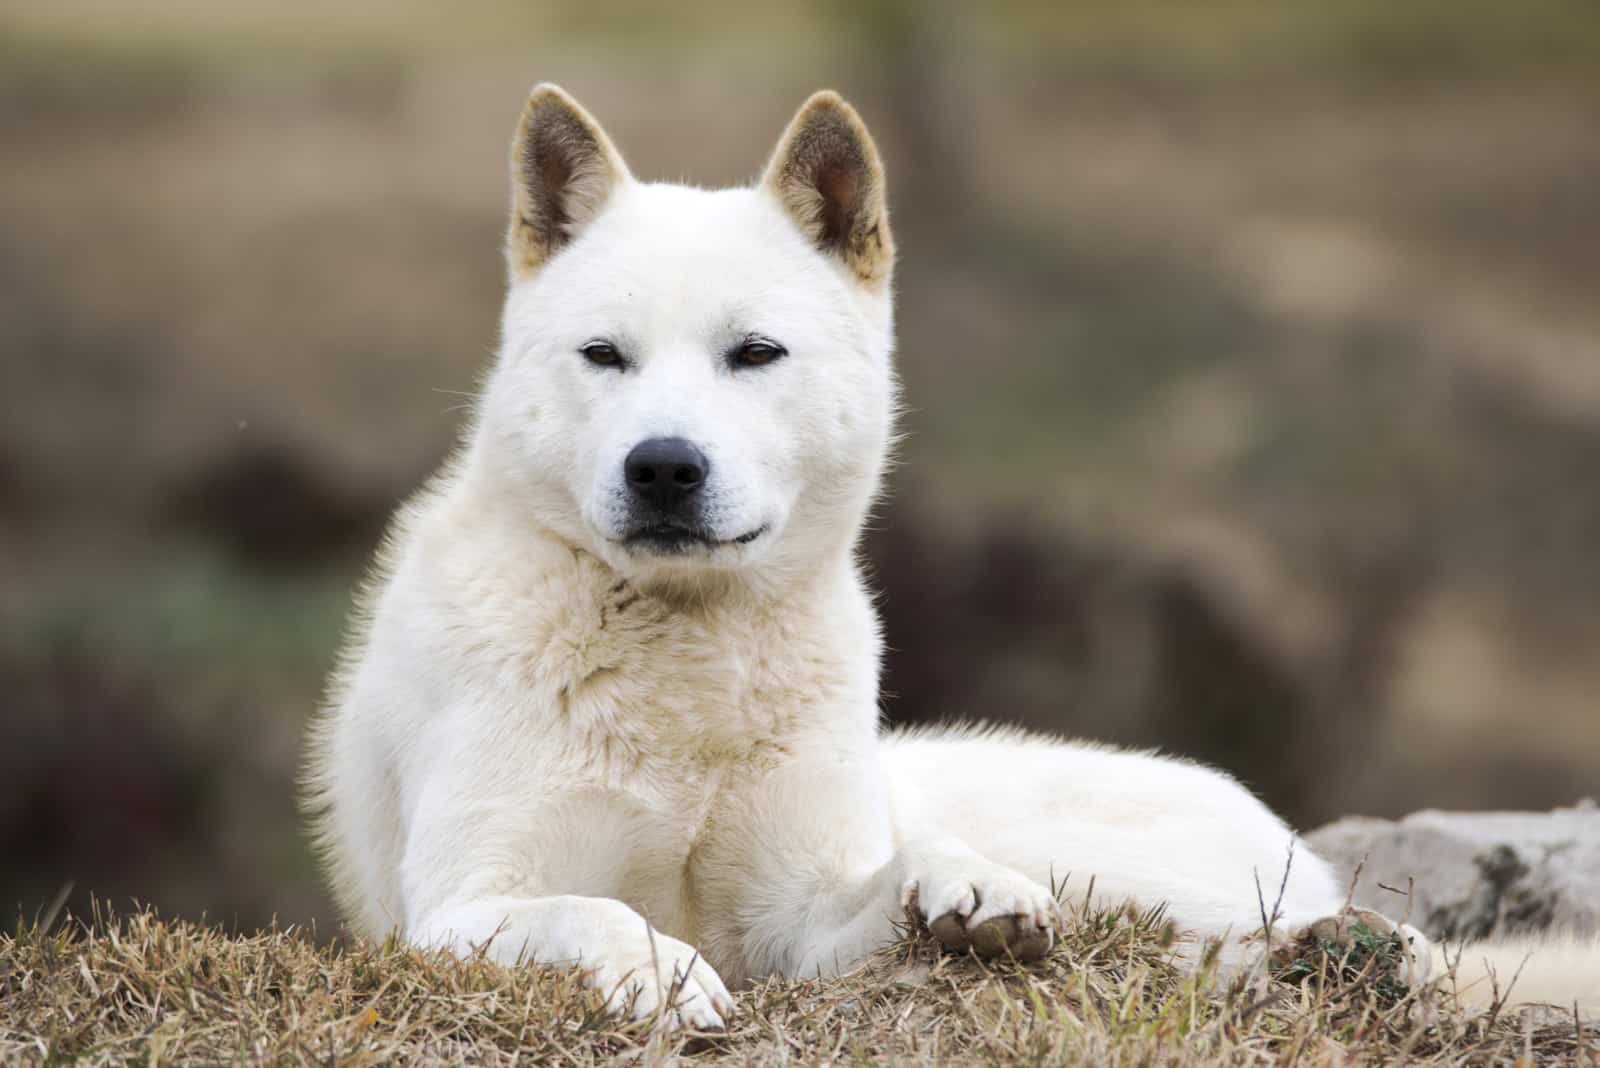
(1252, 353)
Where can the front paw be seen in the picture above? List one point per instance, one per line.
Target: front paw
(986, 908)
(668, 981)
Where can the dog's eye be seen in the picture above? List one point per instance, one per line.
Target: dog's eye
(756, 352)
(602, 354)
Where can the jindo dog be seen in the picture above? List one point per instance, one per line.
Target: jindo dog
(612, 699)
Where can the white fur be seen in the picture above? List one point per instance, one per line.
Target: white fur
(1539, 969)
(668, 768)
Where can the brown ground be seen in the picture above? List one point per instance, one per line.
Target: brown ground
(148, 991)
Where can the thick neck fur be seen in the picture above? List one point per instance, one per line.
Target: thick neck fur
(729, 658)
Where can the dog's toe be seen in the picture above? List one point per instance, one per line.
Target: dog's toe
(1010, 936)
(951, 931)
(994, 936)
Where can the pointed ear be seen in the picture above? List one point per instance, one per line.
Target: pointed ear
(827, 175)
(563, 170)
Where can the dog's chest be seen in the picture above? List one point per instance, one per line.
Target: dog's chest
(655, 715)
(647, 690)
(635, 835)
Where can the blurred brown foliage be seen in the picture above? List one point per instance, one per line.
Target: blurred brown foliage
(1251, 351)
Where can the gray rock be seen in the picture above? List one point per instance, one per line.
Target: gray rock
(1475, 874)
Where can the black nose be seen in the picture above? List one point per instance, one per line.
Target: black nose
(665, 470)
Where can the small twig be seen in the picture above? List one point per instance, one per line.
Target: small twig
(1283, 884)
(1355, 881)
(57, 903)
(655, 962)
(1269, 922)
(1266, 929)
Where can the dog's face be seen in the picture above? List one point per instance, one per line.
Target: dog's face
(693, 380)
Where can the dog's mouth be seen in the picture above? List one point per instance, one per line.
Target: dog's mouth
(673, 539)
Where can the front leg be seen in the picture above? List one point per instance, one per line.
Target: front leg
(807, 874)
(641, 972)
(492, 881)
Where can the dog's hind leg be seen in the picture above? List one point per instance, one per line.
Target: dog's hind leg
(1139, 827)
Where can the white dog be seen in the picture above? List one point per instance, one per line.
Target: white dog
(613, 700)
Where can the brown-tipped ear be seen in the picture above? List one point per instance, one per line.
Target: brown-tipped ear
(827, 175)
(563, 170)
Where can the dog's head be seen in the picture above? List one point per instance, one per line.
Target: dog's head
(694, 380)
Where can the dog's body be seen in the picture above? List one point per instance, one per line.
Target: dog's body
(615, 700)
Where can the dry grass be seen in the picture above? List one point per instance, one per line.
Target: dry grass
(141, 989)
